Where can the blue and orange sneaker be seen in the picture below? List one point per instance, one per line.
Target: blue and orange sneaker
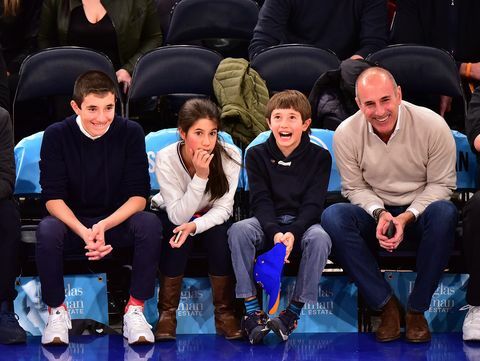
(255, 326)
(284, 324)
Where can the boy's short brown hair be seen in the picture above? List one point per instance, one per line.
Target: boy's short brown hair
(92, 82)
(290, 99)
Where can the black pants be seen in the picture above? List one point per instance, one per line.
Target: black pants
(9, 243)
(142, 230)
(215, 241)
(471, 247)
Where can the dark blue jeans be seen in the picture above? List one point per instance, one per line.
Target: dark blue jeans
(143, 231)
(352, 231)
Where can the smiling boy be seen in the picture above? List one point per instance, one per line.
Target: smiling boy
(94, 178)
(288, 178)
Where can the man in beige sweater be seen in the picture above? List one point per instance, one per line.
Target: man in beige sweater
(397, 163)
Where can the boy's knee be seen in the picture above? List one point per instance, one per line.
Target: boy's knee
(146, 221)
(50, 231)
(239, 233)
(319, 241)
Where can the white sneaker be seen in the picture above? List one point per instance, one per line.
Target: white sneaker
(136, 329)
(56, 329)
(471, 324)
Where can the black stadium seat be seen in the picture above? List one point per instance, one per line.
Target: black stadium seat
(293, 66)
(424, 73)
(225, 26)
(48, 73)
(177, 71)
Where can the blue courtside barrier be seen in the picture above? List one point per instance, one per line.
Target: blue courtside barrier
(27, 156)
(466, 163)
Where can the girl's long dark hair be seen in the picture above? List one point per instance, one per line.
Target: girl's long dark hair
(191, 111)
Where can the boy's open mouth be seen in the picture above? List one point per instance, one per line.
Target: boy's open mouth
(285, 134)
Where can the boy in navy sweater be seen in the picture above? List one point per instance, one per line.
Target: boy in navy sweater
(94, 178)
(288, 178)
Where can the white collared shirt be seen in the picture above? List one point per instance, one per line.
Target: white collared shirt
(82, 129)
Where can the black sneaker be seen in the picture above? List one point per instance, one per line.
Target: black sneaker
(255, 326)
(284, 324)
(10, 330)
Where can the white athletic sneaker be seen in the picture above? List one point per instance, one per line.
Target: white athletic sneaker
(471, 324)
(136, 329)
(56, 329)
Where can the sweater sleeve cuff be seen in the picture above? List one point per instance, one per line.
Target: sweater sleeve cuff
(373, 207)
(200, 226)
(271, 229)
(297, 231)
(198, 182)
(414, 211)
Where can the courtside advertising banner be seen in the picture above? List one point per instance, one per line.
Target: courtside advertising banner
(448, 306)
(335, 311)
(195, 310)
(85, 298)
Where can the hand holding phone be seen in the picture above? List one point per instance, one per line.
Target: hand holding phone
(391, 230)
(179, 233)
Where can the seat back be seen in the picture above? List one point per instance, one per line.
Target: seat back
(424, 73)
(158, 140)
(421, 69)
(48, 73)
(185, 71)
(293, 66)
(225, 26)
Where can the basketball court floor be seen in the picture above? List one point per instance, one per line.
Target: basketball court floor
(299, 347)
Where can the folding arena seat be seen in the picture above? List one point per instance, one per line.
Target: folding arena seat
(179, 72)
(49, 73)
(293, 66)
(424, 73)
(222, 25)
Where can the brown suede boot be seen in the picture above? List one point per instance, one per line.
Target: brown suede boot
(168, 299)
(225, 321)
(416, 327)
(390, 320)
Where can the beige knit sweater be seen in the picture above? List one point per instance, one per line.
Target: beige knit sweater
(415, 167)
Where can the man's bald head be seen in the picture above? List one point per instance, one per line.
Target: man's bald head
(374, 72)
